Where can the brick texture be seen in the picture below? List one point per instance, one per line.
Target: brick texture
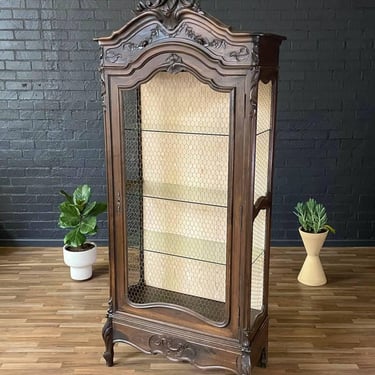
(51, 131)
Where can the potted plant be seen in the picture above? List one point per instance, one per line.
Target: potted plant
(314, 228)
(79, 215)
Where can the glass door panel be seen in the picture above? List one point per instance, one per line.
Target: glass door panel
(176, 141)
(262, 164)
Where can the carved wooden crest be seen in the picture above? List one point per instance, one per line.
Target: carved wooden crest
(168, 11)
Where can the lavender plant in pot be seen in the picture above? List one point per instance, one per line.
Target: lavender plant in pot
(79, 215)
(314, 228)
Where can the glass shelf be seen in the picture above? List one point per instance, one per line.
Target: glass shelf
(185, 247)
(257, 254)
(181, 193)
(156, 129)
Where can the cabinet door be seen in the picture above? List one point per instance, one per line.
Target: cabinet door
(176, 135)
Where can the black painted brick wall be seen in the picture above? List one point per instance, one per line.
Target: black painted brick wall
(51, 134)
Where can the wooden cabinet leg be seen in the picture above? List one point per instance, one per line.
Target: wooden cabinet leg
(107, 334)
(245, 363)
(263, 358)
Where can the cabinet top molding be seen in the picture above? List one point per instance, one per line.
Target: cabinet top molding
(180, 24)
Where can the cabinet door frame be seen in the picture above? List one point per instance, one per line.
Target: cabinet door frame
(234, 84)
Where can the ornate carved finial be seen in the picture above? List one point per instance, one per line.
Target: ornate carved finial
(168, 10)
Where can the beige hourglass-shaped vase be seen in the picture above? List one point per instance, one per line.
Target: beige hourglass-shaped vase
(312, 272)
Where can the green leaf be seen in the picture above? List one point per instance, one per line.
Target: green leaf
(332, 230)
(312, 216)
(81, 196)
(67, 208)
(68, 197)
(74, 238)
(88, 225)
(88, 209)
(93, 232)
(69, 216)
(99, 208)
(66, 223)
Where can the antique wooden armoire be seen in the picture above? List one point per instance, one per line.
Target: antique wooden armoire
(189, 119)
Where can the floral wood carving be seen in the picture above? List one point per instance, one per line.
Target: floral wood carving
(254, 91)
(255, 54)
(130, 48)
(168, 11)
(240, 55)
(188, 30)
(121, 53)
(175, 64)
(173, 348)
(103, 90)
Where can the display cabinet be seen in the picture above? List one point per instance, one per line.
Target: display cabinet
(190, 122)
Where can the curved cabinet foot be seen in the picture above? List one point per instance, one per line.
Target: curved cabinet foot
(245, 368)
(107, 334)
(263, 358)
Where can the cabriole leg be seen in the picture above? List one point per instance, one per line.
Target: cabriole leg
(107, 334)
(263, 358)
(245, 363)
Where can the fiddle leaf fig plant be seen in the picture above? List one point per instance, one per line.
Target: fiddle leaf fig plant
(312, 216)
(79, 215)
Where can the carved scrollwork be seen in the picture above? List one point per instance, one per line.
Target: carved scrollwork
(168, 10)
(173, 348)
(129, 49)
(218, 44)
(103, 90)
(241, 54)
(254, 91)
(121, 53)
(188, 30)
(255, 54)
(114, 55)
(174, 64)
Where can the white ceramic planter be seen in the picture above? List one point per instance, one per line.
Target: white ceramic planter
(80, 262)
(312, 272)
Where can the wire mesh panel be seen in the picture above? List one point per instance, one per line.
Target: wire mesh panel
(263, 139)
(257, 265)
(176, 136)
(262, 155)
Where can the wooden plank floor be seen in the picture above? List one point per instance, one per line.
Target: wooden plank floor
(52, 325)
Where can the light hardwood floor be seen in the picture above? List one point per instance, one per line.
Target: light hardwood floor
(52, 325)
